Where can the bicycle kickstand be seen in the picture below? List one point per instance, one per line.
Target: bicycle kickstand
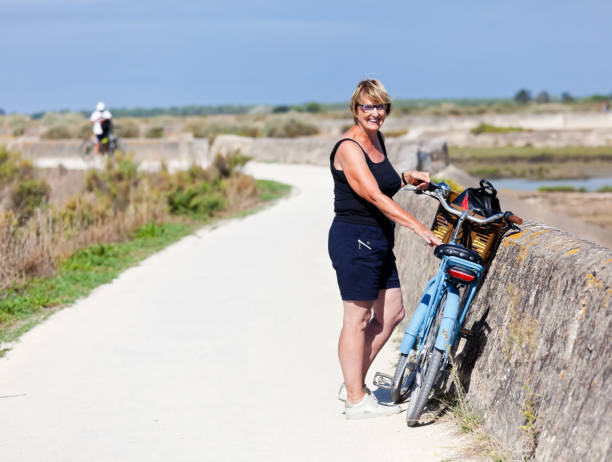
(465, 333)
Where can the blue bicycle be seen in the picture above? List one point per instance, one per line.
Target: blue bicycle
(432, 332)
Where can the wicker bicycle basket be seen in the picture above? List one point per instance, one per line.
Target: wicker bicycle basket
(480, 238)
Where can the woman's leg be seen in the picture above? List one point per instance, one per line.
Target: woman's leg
(388, 313)
(351, 346)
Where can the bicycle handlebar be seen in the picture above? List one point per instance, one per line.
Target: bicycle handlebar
(441, 191)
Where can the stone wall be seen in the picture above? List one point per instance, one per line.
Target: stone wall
(404, 154)
(144, 150)
(538, 367)
(537, 138)
(550, 121)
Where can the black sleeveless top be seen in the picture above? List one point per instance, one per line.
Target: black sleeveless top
(352, 208)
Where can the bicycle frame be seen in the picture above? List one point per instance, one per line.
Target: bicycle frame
(431, 334)
(441, 284)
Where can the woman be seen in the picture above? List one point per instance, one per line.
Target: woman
(361, 244)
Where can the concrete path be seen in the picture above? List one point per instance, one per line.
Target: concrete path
(220, 348)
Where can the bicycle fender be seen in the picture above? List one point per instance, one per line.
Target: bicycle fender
(417, 318)
(449, 317)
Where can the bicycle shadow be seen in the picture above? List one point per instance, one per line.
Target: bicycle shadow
(472, 350)
(383, 395)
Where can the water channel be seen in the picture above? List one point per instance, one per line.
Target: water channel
(523, 184)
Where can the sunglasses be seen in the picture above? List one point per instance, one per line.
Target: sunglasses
(367, 108)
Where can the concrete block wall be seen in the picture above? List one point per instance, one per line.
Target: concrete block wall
(404, 154)
(538, 367)
(145, 150)
(547, 121)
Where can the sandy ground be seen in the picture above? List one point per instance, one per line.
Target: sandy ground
(221, 347)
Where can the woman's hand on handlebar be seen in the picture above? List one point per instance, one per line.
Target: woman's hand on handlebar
(427, 235)
(415, 178)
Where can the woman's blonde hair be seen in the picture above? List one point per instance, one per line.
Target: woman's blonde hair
(375, 90)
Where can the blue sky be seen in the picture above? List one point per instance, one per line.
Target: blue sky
(59, 54)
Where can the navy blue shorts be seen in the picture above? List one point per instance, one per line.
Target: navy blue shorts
(363, 258)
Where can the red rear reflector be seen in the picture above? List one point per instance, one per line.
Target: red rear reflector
(465, 203)
(463, 275)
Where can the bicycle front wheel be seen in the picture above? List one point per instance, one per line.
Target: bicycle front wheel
(403, 377)
(115, 145)
(426, 369)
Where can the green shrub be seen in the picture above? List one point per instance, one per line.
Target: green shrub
(227, 165)
(27, 195)
(486, 128)
(57, 133)
(128, 129)
(13, 167)
(84, 131)
(395, 133)
(62, 119)
(605, 189)
(18, 131)
(207, 204)
(203, 192)
(560, 188)
(288, 128)
(485, 172)
(195, 200)
(116, 182)
(154, 132)
(211, 131)
(198, 129)
(81, 211)
(15, 124)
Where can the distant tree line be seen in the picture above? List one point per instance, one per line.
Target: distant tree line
(523, 96)
(193, 110)
(180, 110)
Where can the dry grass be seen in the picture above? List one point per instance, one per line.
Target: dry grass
(35, 248)
(25, 250)
(110, 207)
(480, 445)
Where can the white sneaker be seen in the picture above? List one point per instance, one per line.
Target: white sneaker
(342, 392)
(368, 408)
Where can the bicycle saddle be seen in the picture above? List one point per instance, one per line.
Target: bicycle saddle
(454, 250)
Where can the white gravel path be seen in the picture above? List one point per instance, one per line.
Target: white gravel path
(220, 348)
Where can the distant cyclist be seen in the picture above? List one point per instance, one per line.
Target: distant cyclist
(102, 126)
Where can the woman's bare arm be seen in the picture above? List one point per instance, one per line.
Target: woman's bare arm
(351, 160)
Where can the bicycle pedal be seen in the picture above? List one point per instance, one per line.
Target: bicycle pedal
(382, 381)
(465, 333)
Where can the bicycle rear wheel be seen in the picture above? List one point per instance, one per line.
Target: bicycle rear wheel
(86, 149)
(423, 383)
